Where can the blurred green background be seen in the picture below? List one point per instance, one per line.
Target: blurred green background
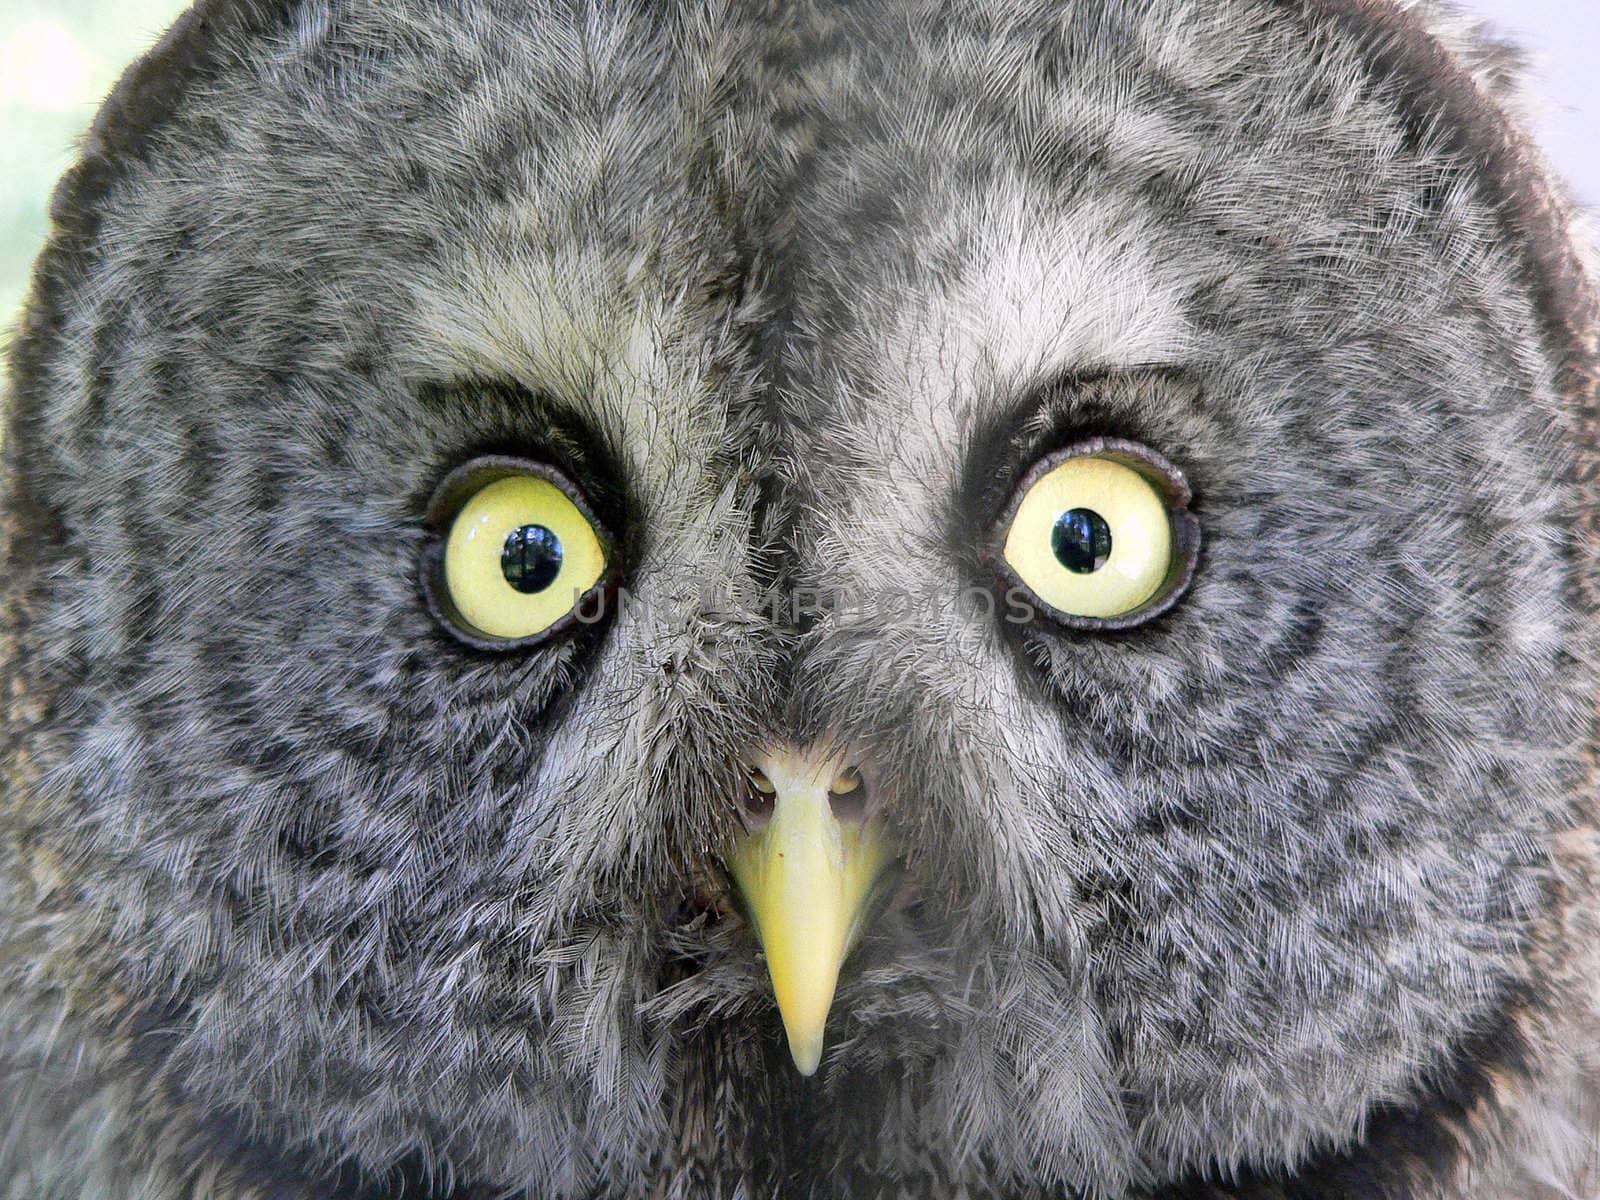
(56, 63)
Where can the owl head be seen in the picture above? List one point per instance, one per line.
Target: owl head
(897, 599)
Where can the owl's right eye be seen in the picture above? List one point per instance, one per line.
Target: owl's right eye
(519, 554)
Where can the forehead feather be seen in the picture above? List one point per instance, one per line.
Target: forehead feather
(1043, 294)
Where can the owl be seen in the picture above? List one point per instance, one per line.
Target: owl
(931, 599)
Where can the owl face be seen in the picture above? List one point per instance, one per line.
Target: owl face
(1018, 562)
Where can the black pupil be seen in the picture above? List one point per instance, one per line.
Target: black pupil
(1081, 540)
(531, 558)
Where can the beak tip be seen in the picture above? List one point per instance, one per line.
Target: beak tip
(803, 1003)
(807, 1055)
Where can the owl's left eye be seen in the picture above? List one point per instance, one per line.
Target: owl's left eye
(520, 552)
(1100, 535)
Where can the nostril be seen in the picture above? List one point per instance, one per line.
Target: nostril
(848, 796)
(759, 797)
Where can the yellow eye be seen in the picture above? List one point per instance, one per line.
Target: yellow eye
(518, 557)
(1091, 537)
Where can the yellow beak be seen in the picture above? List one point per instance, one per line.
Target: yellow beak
(806, 877)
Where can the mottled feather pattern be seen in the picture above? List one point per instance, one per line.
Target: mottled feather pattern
(1289, 893)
